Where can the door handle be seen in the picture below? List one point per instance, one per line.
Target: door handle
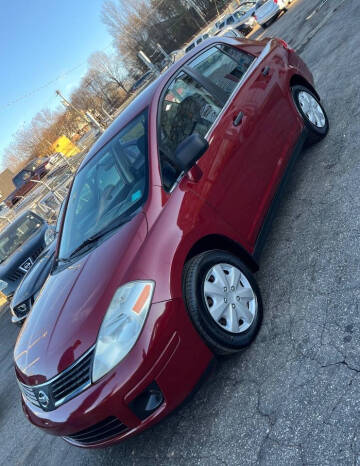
(265, 70)
(238, 119)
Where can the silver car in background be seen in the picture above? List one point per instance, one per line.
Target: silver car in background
(242, 19)
(267, 10)
(228, 32)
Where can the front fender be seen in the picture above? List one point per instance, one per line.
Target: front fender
(184, 218)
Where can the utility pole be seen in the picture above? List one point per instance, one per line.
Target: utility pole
(85, 117)
(146, 60)
(66, 103)
(166, 55)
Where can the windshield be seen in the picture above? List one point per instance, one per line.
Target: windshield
(34, 164)
(109, 188)
(21, 178)
(17, 233)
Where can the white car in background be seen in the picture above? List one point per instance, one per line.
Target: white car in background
(228, 32)
(242, 19)
(267, 10)
(196, 41)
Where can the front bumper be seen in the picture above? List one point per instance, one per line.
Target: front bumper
(17, 320)
(169, 354)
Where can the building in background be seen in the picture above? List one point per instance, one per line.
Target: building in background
(6, 184)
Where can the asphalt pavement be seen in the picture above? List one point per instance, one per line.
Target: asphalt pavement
(293, 398)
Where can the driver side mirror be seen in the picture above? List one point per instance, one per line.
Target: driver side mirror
(189, 151)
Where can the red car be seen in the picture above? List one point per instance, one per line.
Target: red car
(23, 181)
(161, 234)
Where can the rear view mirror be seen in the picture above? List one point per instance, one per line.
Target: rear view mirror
(189, 151)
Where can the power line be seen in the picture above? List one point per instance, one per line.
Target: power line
(47, 84)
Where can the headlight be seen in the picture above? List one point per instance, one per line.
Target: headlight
(3, 285)
(50, 235)
(122, 325)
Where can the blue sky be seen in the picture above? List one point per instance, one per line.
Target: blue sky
(40, 41)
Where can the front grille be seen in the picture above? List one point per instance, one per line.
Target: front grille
(29, 394)
(64, 386)
(15, 275)
(105, 430)
(74, 378)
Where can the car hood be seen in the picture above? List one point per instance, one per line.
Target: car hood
(35, 278)
(65, 320)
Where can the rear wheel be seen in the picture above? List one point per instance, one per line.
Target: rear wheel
(223, 300)
(312, 112)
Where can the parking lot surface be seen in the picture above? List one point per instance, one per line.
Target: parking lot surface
(293, 397)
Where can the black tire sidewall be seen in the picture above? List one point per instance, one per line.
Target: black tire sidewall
(196, 304)
(315, 130)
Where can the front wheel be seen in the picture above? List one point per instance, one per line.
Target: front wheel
(312, 112)
(223, 300)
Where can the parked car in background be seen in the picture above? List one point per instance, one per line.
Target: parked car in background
(268, 10)
(197, 41)
(30, 286)
(20, 245)
(160, 239)
(35, 170)
(242, 19)
(228, 32)
(142, 81)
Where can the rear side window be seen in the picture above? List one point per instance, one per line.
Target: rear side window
(230, 20)
(224, 66)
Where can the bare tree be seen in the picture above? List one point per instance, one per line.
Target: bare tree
(111, 68)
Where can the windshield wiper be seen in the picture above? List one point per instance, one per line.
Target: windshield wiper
(92, 239)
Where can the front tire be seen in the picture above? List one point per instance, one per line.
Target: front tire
(312, 113)
(223, 301)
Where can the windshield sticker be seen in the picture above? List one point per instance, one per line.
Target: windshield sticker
(136, 196)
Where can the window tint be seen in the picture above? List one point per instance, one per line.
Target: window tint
(224, 66)
(230, 20)
(187, 108)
